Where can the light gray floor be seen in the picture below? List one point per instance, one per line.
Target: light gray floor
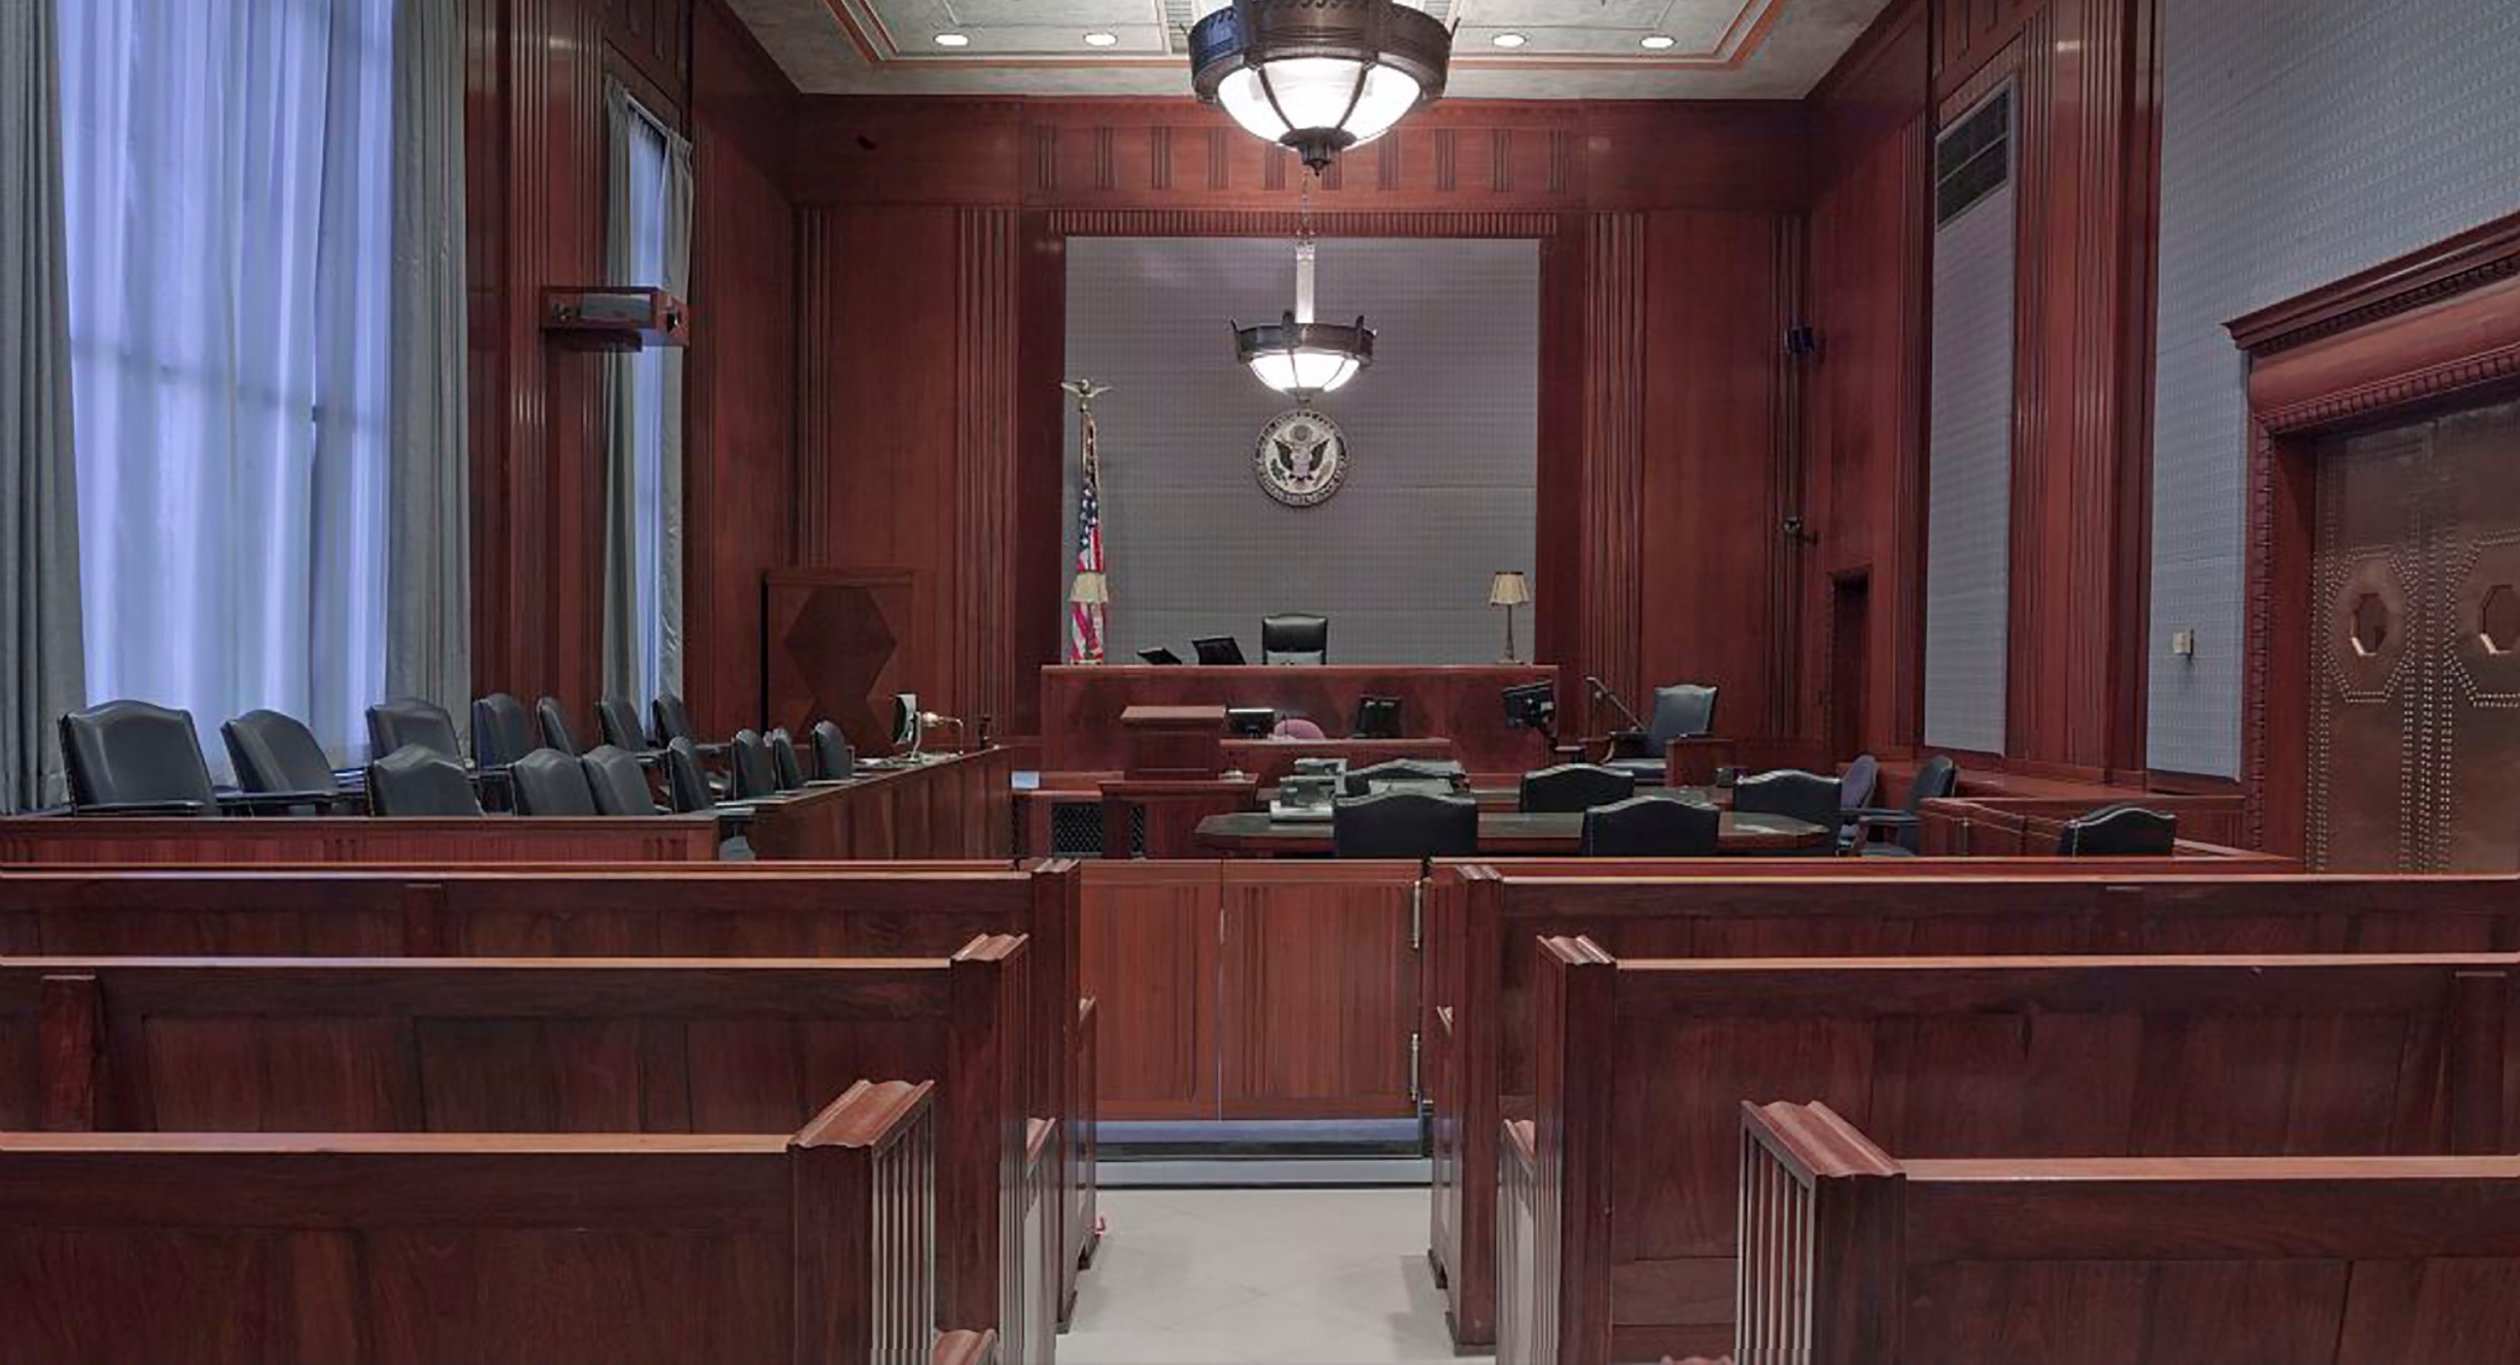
(1219, 1277)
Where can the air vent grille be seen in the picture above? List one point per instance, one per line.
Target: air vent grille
(1974, 158)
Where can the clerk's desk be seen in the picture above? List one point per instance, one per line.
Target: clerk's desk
(1460, 703)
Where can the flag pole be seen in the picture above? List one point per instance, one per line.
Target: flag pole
(1089, 616)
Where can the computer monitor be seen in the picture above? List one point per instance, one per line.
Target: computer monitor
(1218, 650)
(905, 722)
(1159, 655)
(1250, 722)
(1532, 706)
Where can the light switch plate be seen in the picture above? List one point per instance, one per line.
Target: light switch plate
(2183, 642)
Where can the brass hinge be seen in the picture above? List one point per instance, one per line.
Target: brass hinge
(1416, 1092)
(1417, 914)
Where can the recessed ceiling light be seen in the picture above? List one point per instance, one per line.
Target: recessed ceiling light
(1102, 40)
(953, 40)
(1656, 42)
(1509, 40)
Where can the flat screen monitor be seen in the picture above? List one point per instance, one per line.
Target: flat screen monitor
(1217, 650)
(1531, 706)
(1159, 655)
(905, 721)
(1250, 722)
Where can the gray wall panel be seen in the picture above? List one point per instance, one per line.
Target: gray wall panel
(1444, 432)
(2302, 140)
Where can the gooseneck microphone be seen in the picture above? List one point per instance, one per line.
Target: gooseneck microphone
(1601, 690)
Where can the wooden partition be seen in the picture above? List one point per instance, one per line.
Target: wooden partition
(1852, 1257)
(1627, 1224)
(1231, 989)
(962, 806)
(1482, 918)
(539, 1045)
(811, 1249)
(2011, 827)
(1464, 704)
(701, 910)
(358, 839)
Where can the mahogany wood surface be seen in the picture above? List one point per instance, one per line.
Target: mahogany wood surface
(553, 1046)
(961, 806)
(1642, 1067)
(1481, 918)
(1250, 990)
(2031, 826)
(1502, 833)
(2318, 1260)
(1081, 705)
(774, 1249)
(357, 839)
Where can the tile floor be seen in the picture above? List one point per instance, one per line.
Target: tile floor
(1223, 1277)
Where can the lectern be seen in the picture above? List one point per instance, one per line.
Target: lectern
(1175, 773)
(1174, 742)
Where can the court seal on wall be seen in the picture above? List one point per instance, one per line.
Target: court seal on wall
(1301, 458)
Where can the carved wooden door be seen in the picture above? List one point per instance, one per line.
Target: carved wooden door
(2415, 730)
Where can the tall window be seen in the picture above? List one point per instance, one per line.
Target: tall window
(648, 223)
(228, 173)
(646, 248)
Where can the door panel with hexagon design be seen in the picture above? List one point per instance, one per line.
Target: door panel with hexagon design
(2415, 734)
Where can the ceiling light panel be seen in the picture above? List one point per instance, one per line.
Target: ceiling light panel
(1020, 28)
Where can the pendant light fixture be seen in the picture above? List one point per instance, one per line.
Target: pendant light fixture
(1319, 76)
(1298, 356)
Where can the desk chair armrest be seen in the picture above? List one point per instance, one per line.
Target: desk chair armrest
(128, 808)
(1884, 818)
(258, 802)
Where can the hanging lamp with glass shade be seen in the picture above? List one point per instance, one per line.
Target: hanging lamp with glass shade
(1319, 76)
(1298, 356)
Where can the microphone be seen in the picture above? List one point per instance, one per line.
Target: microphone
(1601, 690)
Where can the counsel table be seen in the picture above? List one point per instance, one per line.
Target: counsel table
(1254, 834)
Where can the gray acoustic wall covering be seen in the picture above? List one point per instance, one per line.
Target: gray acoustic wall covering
(1968, 537)
(1443, 431)
(2302, 140)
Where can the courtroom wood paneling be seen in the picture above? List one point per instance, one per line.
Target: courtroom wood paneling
(1319, 981)
(1147, 955)
(741, 375)
(1081, 706)
(354, 839)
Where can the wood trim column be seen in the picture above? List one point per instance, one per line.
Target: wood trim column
(984, 447)
(1614, 449)
(820, 336)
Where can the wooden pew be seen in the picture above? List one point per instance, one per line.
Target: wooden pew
(625, 1045)
(1482, 917)
(1851, 1257)
(815, 1248)
(701, 910)
(1622, 1186)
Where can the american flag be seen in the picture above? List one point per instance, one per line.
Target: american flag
(1086, 622)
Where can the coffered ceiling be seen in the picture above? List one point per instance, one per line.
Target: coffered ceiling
(1517, 49)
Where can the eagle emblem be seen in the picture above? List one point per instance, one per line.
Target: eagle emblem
(1301, 458)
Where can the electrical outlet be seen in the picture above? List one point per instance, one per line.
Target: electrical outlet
(2183, 642)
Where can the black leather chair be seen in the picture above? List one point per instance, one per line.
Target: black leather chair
(1572, 787)
(132, 758)
(276, 756)
(550, 783)
(617, 720)
(618, 781)
(1652, 827)
(834, 760)
(672, 720)
(1681, 711)
(410, 722)
(1405, 825)
(785, 766)
(1406, 774)
(1791, 792)
(686, 783)
(418, 781)
(1295, 637)
(1936, 778)
(1856, 786)
(502, 733)
(2120, 831)
(754, 778)
(558, 733)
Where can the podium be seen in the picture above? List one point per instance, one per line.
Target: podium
(1175, 775)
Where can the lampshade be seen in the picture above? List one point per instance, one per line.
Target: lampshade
(1319, 76)
(1091, 588)
(1509, 589)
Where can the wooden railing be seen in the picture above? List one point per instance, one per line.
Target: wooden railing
(1525, 1329)
(880, 1205)
(1803, 1170)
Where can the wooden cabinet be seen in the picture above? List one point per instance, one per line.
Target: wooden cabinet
(1248, 990)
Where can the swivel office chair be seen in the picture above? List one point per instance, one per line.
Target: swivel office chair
(550, 783)
(1572, 787)
(1295, 637)
(619, 783)
(834, 760)
(411, 722)
(502, 732)
(1793, 793)
(1653, 826)
(748, 761)
(785, 767)
(2120, 831)
(132, 758)
(1936, 778)
(1405, 824)
(686, 784)
(416, 781)
(1682, 711)
(558, 733)
(277, 756)
(1855, 794)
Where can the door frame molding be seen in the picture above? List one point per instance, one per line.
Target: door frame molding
(2432, 332)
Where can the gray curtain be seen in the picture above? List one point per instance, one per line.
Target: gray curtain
(428, 571)
(45, 673)
(643, 642)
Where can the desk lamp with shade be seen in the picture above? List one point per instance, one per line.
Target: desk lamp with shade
(1509, 589)
(1092, 591)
